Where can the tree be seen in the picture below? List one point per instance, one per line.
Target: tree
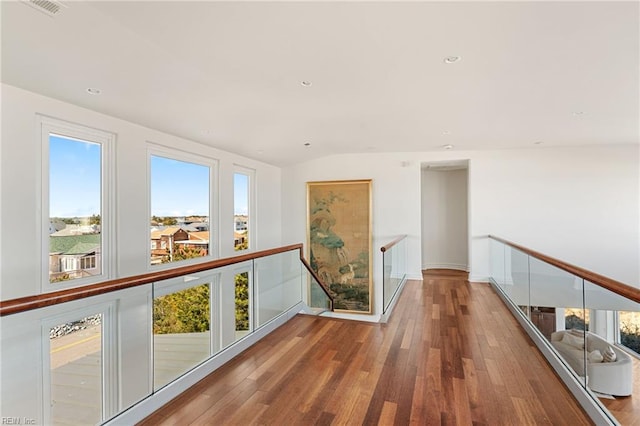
(186, 311)
(242, 301)
(182, 253)
(94, 219)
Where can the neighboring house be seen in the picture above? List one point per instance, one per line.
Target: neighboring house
(197, 240)
(239, 238)
(162, 242)
(77, 230)
(74, 256)
(240, 222)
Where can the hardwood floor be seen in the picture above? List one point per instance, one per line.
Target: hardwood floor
(450, 354)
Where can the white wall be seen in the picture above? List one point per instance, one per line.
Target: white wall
(444, 219)
(579, 204)
(20, 275)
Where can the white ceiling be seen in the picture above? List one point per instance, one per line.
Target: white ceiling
(228, 74)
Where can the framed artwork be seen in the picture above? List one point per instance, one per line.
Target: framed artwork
(339, 240)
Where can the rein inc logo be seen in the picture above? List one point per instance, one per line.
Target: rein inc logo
(17, 421)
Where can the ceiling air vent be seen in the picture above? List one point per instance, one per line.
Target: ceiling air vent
(49, 7)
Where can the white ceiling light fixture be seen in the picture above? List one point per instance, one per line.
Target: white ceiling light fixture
(452, 59)
(447, 146)
(94, 91)
(577, 113)
(306, 83)
(307, 144)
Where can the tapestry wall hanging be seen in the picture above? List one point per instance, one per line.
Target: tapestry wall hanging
(339, 240)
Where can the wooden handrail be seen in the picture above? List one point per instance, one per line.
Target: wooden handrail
(323, 286)
(617, 287)
(27, 303)
(392, 243)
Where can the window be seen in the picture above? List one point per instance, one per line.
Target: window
(242, 191)
(629, 328)
(180, 188)
(76, 204)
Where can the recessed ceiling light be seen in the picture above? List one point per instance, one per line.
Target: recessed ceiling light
(448, 146)
(446, 133)
(452, 59)
(577, 113)
(306, 83)
(538, 142)
(307, 144)
(94, 91)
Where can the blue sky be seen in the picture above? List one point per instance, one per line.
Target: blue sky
(178, 188)
(74, 178)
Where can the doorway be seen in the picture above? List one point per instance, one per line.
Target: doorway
(445, 218)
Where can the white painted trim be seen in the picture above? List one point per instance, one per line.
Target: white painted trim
(154, 149)
(153, 402)
(45, 126)
(456, 266)
(251, 203)
(589, 403)
(415, 277)
(352, 317)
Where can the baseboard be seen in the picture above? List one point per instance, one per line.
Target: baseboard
(455, 266)
(594, 408)
(352, 317)
(156, 400)
(478, 279)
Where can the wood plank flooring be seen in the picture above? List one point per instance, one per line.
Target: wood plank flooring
(450, 354)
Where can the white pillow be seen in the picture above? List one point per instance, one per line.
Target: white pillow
(595, 356)
(575, 341)
(609, 355)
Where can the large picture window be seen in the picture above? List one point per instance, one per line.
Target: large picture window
(76, 199)
(180, 225)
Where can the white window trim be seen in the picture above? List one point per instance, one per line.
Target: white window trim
(154, 149)
(251, 222)
(46, 126)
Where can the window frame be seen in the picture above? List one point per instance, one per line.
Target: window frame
(158, 150)
(48, 126)
(251, 192)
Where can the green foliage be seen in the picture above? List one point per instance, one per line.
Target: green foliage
(242, 301)
(186, 311)
(94, 219)
(242, 246)
(182, 253)
(166, 220)
(63, 277)
(630, 336)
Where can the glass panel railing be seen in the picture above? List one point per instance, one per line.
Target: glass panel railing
(497, 264)
(594, 331)
(610, 363)
(319, 301)
(278, 285)
(75, 361)
(96, 356)
(556, 301)
(394, 266)
(516, 282)
(181, 327)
